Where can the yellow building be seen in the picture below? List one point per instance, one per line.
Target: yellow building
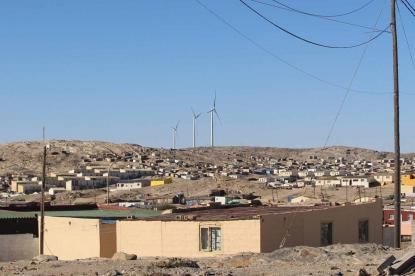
(159, 182)
(25, 187)
(29, 188)
(408, 179)
(407, 190)
(79, 238)
(213, 232)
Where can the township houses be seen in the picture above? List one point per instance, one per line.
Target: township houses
(321, 173)
(359, 181)
(133, 184)
(328, 181)
(86, 182)
(383, 178)
(288, 173)
(303, 173)
(26, 187)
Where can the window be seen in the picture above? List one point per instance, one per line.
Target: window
(364, 231)
(204, 239)
(391, 217)
(326, 234)
(210, 239)
(411, 217)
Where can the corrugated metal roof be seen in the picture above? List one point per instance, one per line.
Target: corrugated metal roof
(83, 214)
(236, 213)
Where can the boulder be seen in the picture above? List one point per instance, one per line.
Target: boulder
(44, 258)
(121, 256)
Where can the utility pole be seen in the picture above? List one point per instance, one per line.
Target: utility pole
(108, 186)
(397, 196)
(347, 193)
(108, 183)
(42, 200)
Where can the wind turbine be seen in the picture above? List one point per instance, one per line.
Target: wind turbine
(174, 134)
(195, 117)
(211, 111)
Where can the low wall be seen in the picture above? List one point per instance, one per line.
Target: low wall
(18, 247)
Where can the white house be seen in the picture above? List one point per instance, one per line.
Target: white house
(358, 181)
(384, 178)
(126, 186)
(328, 181)
(287, 173)
(321, 173)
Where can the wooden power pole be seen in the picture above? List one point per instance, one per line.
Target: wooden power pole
(397, 176)
(42, 200)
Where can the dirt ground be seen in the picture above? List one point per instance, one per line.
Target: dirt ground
(331, 260)
(203, 187)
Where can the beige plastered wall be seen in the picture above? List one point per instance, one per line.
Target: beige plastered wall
(303, 228)
(181, 238)
(79, 238)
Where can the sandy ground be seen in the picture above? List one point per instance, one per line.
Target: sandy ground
(331, 260)
(204, 186)
(237, 187)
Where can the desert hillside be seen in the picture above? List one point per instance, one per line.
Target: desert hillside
(26, 157)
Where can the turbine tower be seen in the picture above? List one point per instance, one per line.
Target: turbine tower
(211, 111)
(195, 117)
(174, 129)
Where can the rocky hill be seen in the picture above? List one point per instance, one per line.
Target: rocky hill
(26, 157)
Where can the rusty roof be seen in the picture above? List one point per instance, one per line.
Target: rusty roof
(236, 213)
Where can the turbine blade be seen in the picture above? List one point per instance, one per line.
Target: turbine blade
(193, 111)
(214, 101)
(217, 115)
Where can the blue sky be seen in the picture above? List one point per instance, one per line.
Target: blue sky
(126, 71)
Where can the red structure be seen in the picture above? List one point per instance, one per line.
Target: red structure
(388, 216)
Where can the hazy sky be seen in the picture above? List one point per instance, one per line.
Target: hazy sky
(126, 71)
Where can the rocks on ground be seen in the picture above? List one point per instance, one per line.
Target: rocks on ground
(44, 258)
(121, 256)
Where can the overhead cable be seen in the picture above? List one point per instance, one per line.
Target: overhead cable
(323, 15)
(347, 92)
(409, 7)
(280, 59)
(409, 4)
(310, 41)
(318, 16)
(406, 37)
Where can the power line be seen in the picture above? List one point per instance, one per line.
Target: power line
(406, 37)
(322, 15)
(318, 16)
(346, 94)
(280, 59)
(409, 9)
(309, 41)
(409, 4)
